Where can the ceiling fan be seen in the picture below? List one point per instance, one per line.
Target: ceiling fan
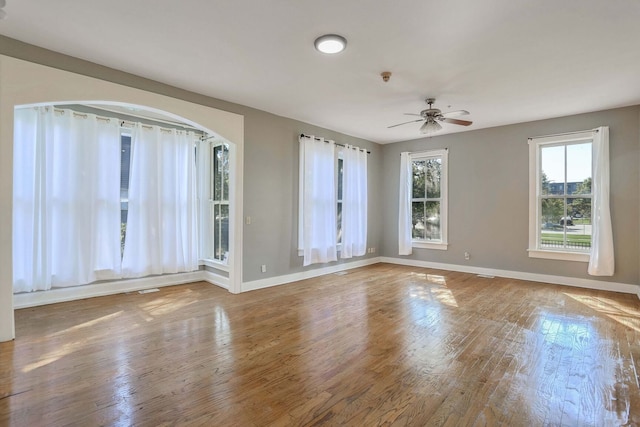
(431, 116)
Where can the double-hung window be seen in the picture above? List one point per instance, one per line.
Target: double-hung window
(561, 197)
(339, 196)
(332, 201)
(213, 157)
(423, 211)
(125, 167)
(219, 202)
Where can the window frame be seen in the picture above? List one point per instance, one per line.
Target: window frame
(125, 132)
(535, 195)
(443, 154)
(214, 204)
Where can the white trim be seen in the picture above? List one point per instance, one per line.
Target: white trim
(32, 299)
(442, 153)
(429, 245)
(214, 264)
(236, 214)
(215, 279)
(535, 172)
(626, 288)
(559, 255)
(294, 277)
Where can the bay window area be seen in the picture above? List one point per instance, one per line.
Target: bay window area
(100, 198)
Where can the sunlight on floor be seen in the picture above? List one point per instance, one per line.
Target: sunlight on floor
(68, 348)
(54, 355)
(168, 304)
(428, 292)
(87, 324)
(625, 315)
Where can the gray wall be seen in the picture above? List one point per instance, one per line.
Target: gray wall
(270, 165)
(489, 195)
(488, 183)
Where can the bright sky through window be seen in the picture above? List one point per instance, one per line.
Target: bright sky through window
(578, 165)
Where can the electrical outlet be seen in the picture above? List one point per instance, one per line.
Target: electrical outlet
(467, 256)
(247, 220)
(373, 250)
(263, 268)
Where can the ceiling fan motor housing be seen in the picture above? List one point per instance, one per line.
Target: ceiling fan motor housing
(430, 112)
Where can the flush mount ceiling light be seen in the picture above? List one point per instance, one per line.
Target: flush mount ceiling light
(330, 43)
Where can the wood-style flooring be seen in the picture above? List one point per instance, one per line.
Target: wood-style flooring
(380, 345)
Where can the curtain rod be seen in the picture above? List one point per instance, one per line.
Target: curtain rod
(302, 135)
(128, 123)
(564, 133)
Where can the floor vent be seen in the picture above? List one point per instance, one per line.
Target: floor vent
(486, 276)
(341, 273)
(148, 291)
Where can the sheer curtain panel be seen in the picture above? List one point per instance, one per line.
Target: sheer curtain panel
(66, 199)
(162, 226)
(404, 208)
(601, 261)
(354, 202)
(319, 200)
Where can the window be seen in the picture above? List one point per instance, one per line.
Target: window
(339, 194)
(561, 170)
(125, 165)
(332, 199)
(429, 199)
(220, 201)
(116, 203)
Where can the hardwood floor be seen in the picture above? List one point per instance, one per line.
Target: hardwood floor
(381, 345)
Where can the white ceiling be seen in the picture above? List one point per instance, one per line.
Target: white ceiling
(505, 61)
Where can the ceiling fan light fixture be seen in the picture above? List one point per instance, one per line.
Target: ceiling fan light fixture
(330, 43)
(430, 126)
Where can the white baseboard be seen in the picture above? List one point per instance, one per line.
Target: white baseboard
(32, 299)
(534, 277)
(294, 277)
(215, 279)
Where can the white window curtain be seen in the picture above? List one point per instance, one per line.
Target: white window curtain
(601, 261)
(319, 200)
(354, 202)
(161, 225)
(66, 203)
(404, 208)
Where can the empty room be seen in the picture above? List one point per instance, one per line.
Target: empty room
(277, 213)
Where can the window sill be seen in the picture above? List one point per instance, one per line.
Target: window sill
(430, 245)
(559, 255)
(214, 264)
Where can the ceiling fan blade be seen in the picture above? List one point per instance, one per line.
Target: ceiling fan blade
(456, 113)
(455, 121)
(405, 123)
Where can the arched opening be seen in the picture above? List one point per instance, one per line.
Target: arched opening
(25, 83)
(113, 191)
